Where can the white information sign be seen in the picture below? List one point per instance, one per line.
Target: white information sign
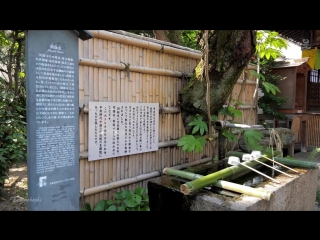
(119, 129)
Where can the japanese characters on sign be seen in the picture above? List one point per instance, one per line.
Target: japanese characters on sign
(119, 129)
(52, 119)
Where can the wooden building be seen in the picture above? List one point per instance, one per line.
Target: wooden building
(294, 85)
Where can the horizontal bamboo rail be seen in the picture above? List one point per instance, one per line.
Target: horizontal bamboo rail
(128, 34)
(131, 68)
(171, 143)
(161, 110)
(123, 182)
(171, 110)
(120, 183)
(144, 44)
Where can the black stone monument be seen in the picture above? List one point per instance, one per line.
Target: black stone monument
(53, 119)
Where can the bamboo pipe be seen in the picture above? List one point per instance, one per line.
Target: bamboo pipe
(170, 143)
(123, 182)
(212, 178)
(266, 195)
(289, 162)
(190, 164)
(120, 183)
(153, 40)
(144, 44)
(170, 110)
(132, 68)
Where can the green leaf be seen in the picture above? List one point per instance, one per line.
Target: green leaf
(251, 138)
(86, 207)
(139, 191)
(214, 118)
(230, 136)
(145, 198)
(112, 208)
(123, 194)
(189, 143)
(130, 202)
(195, 129)
(271, 88)
(145, 208)
(199, 125)
(121, 208)
(101, 206)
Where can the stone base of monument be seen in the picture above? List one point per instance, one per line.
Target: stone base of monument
(291, 194)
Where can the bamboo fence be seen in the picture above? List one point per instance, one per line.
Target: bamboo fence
(313, 131)
(158, 71)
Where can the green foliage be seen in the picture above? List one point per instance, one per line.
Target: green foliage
(251, 138)
(189, 38)
(313, 154)
(125, 200)
(291, 158)
(318, 197)
(146, 33)
(230, 136)
(194, 142)
(199, 125)
(230, 111)
(270, 102)
(269, 44)
(270, 88)
(13, 142)
(268, 48)
(190, 143)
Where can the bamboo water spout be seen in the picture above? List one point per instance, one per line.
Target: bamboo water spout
(266, 195)
(212, 178)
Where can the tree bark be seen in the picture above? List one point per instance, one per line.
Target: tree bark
(172, 36)
(229, 53)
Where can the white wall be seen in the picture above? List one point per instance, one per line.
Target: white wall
(293, 51)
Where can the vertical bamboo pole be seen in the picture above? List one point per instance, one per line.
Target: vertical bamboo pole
(86, 74)
(122, 82)
(91, 98)
(101, 164)
(96, 98)
(114, 99)
(81, 102)
(81, 122)
(105, 50)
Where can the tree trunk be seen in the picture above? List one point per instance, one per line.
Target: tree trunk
(229, 53)
(172, 36)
